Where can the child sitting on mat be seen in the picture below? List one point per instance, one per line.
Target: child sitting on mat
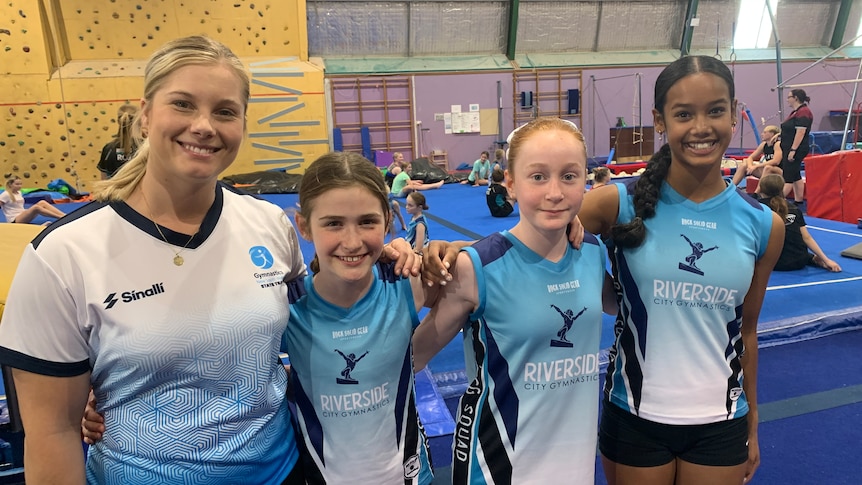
(481, 171)
(12, 203)
(765, 158)
(499, 159)
(402, 184)
(497, 196)
(797, 240)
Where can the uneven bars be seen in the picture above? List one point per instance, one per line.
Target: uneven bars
(824, 83)
(818, 61)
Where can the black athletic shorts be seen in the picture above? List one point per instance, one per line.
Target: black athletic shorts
(633, 441)
(792, 168)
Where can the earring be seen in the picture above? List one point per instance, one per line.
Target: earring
(659, 132)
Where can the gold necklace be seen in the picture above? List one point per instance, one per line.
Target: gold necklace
(178, 260)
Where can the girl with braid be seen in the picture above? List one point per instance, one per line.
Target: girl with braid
(680, 401)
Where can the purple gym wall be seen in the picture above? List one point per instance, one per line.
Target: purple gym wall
(604, 100)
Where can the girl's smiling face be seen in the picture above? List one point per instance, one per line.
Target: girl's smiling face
(698, 118)
(348, 228)
(548, 179)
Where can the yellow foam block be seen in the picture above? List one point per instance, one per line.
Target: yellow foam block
(13, 239)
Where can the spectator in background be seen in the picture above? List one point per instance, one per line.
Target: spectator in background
(481, 171)
(800, 249)
(794, 144)
(601, 176)
(120, 150)
(417, 230)
(499, 159)
(12, 203)
(765, 158)
(500, 203)
(397, 161)
(403, 184)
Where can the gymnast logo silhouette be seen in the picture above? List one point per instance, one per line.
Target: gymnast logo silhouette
(350, 361)
(569, 318)
(697, 252)
(261, 257)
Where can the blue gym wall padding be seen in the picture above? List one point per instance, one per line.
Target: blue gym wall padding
(337, 140)
(365, 133)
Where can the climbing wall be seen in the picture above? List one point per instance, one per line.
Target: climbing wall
(66, 68)
(129, 29)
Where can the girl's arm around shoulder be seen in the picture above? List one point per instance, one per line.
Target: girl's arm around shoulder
(448, 314)
(600, 209)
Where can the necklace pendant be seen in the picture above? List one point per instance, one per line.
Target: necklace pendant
(178, 260)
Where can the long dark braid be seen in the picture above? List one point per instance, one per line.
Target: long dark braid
(647, 192)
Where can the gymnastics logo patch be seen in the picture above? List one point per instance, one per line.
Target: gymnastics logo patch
(261, 257)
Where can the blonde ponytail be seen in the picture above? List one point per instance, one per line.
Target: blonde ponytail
(126, 180)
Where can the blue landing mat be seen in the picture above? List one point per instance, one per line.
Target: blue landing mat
(432, 408)
(813, 302)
